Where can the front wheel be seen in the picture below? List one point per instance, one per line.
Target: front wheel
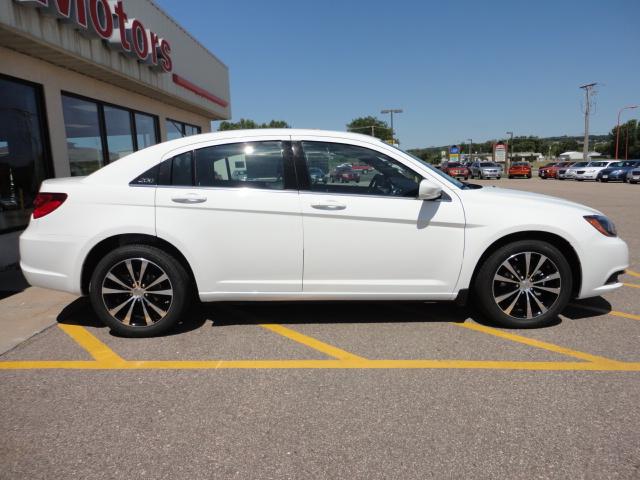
(139, 291)
(524, 284)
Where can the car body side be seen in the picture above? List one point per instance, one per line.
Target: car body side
(110, 209)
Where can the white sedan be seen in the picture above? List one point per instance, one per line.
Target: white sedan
(591, 170)
(143, 234)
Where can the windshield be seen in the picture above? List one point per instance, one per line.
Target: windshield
(431, 168)
(579, 164)
(598, 164)
(488, 164)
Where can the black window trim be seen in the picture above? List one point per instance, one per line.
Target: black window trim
(102, 125)
(304, 181)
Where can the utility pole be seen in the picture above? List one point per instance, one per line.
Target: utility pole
(470, 149)
(588, 87)
(391, 111)
(618, 125)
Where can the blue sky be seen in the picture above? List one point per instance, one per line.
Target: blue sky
(459, 69)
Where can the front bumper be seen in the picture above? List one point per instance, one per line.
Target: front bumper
(612, 256)
(586, 176)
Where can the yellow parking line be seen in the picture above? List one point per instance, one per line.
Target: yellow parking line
(632, 285)
(324, 364)
(91, 344)
(537, 343)
(632, 273)
(615, 313)
(311, 342)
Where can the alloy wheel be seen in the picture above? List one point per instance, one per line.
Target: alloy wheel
(137, 292)
(526, 285)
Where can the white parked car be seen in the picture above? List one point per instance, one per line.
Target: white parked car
(142, 234)
(569, 173)
(591, 170)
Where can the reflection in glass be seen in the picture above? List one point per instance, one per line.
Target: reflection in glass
(83, 135)
(119, 135)
(22, 162)
(145, 130)
(174, 129)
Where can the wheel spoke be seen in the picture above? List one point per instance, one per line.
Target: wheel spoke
(506, 295)
(130, 269)
(555, 290)
(529, 314)
(115, 279)
(143, 267)
(500, 278)
(513, 304)
(157, 309)
(113, 312)
(527, 262)
(147, 317)
(161, 292)
(108, 291)
(158, 280)
(541, 306)
(540, 263)
(127, 317)
(509, 267)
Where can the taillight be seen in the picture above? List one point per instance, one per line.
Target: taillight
(47, 202)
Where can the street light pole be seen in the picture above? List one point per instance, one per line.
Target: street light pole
(618, 125)
(509, 146)
(391, 111)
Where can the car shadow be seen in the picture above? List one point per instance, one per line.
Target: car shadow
(222, 314)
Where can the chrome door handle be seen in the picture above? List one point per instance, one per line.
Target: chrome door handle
(328, 206)
(189, 198)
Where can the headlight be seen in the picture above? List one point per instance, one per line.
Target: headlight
(590, 171)
(602, 224)
(616, 172)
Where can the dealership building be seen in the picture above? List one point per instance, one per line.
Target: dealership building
(86, 82)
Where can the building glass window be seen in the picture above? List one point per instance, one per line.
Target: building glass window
(146, 133)
(99, 133)
(24, 160)
(177, 129)
(84, 142)
(119, 132)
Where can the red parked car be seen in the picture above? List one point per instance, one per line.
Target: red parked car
(551, 170)
(520, 169)
(456, 170)
(344, 175)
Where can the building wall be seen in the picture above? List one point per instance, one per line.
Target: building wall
(56, 79)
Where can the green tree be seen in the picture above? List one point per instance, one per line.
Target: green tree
(370, 126)
(248, 124)
(628, 142)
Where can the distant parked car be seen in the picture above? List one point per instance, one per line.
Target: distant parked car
(617, 171)
(551, 170)
(485, 170)
(591, 170)
(633, 176)
(344, 174)
(362, 169)
(317, 175)
(520, 169)
(239, 175)
(569, 172)
(456, 170)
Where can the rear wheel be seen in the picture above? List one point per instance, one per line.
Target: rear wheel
(524, 284)
(139, 291)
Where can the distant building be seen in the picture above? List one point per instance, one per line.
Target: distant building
(576, 156)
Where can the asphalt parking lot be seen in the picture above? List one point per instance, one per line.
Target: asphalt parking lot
(335, 390)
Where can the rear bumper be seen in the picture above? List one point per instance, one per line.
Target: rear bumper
(57, 259)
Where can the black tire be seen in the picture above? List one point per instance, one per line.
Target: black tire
(487, 290)
(158, 261)
(510, 177)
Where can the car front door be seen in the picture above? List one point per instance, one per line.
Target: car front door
(233, 210)
(375, 238)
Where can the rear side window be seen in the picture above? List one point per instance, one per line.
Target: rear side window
(237, 165)
(182, 170)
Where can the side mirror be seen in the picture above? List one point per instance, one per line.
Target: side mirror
(429, 190)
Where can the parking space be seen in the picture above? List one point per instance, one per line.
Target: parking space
(327, 390)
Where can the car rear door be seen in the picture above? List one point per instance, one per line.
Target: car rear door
(362, 241)
(242, 233)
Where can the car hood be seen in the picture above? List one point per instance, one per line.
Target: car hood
(505, 196)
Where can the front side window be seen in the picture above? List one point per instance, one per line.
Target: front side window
(349, 169)
(251, 164)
